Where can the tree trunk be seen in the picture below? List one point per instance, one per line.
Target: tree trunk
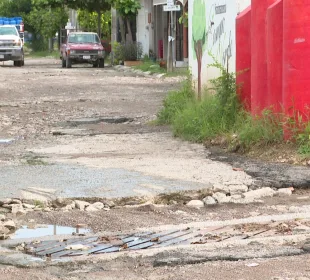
(122, 28)
(198, 51)
(99, 23)
(130, 38)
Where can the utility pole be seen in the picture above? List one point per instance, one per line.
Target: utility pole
(171, 7)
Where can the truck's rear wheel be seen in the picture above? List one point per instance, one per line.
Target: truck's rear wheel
(101, 63)
(68, 62)
(63, 63)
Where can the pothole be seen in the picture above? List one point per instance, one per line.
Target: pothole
(110, 120)
(47, 230)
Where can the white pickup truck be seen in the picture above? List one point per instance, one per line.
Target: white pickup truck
(11, 45)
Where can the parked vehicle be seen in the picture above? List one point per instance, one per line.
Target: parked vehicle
(82, 47)
(12, 40)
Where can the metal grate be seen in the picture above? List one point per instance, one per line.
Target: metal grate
(138, 241)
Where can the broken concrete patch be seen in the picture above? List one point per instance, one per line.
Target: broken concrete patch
(259, 193)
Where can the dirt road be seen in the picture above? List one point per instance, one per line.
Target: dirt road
(88, 132)
(85, 132)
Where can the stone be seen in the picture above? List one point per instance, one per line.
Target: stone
(16, 201)
(98, 205)
(106, 209)
(2, 217)
(209, 200)
(67, 208)
(17, 209)
(195, 204)
(109, 204)
(284, 192)
(10, 225)
(4, 230)
(81, 204)
(5, 201)
(221, 197)
(62, 202)
(28, 206)
(237, 189)
(91, 208)
(260, 193)
(7, 206)
(220, 188)
(47, 209)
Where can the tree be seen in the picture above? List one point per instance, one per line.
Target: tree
(88, 21)
(97, 6)
(127, 9)
(199, 38)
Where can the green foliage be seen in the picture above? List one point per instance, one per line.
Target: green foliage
(265, 129)
(150, 66)
(127, 8)
(184, 19)
(219, 113)
(47, 21)
(303, 140)
(175, 103)
(89, 21)
(130, 51)
(118, 55)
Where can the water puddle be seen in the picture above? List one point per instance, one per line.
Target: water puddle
(47, 230)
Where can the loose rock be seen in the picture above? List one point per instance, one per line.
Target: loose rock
(10, 225)
(195, 203)
(257, 194)
(220, 188)
(237, 189)
(28, 206)
(18, 209)
(98, 205)
(209, 200)
(2, 217)
(221, 197)
(5, 201)
(4, 230)
(284, 192)
(81, 204)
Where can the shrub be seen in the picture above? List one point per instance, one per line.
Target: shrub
(175, 102)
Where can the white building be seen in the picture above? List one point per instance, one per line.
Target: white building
(220, 40)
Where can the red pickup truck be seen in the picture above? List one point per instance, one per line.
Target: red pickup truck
(82, 47)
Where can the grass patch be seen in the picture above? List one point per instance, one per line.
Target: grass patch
(44, 54)
(220, 115)
(152, 67)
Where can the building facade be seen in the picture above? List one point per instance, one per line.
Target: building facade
(212, 33)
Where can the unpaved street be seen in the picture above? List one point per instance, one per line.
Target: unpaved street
(90, 133)
(75, 139)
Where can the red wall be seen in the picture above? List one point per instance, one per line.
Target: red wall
(296, 56)
(274, 56)
(259, 56)
(278, 56)
(243, 54)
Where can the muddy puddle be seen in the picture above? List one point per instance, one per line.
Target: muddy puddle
(47, 230)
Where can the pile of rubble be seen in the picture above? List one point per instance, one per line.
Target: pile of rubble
(238, 195)
(18, 207)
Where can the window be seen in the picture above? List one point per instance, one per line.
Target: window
(7, 30)
(80, 38)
